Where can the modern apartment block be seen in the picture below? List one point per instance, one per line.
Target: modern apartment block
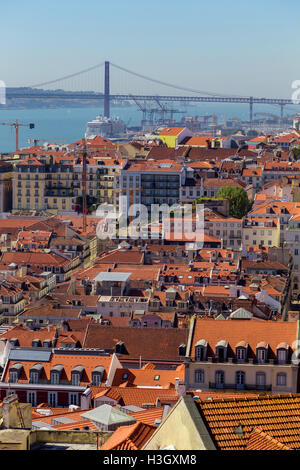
(151, 182)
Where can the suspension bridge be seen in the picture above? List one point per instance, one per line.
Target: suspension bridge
(38, 91)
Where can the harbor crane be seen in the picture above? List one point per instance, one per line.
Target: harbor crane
(16, 125)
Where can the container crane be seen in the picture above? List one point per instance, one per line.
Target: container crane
(16, 125)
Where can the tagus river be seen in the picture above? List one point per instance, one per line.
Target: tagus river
(66, 125)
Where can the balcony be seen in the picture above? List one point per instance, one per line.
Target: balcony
(228, 386)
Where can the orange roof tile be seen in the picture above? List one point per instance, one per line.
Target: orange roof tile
(231, 422)
(132, 437)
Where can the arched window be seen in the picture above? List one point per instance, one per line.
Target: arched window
(55, 374)
(220, 378)
(241, 351)
(199, 376)
(76, 375)
(262, 351)
(97, 375)
(281, 378)
(240, 377)
(260, 380)
(35, 372)
(221, 350)
(282, 353)
(201, 350)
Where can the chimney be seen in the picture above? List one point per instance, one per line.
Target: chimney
(16, 416)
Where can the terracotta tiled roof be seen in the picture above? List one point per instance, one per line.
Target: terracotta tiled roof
(218, 183)
(173, 131)
(122, 256)
(132, 437)
(273, 333)
(260, 440)
(69, 362)
(231, 422)
(141, 397)
(147, 343)
(149, 416)
(149, 376)
(25, 336)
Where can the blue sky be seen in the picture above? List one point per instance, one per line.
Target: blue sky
(246, 47)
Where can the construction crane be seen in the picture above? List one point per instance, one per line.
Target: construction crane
(16, 125)
(214, 121)
(83, 153)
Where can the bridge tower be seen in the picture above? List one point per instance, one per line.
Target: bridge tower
(106, 90)
(251, 110)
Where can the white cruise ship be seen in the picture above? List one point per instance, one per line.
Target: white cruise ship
(105, 127)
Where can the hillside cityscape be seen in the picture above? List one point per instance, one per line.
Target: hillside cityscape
(149, 267)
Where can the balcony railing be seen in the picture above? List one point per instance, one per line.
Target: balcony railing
(228, 386)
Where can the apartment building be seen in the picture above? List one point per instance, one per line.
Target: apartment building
(261, 232)
(228, 229)
(151, 182)
(44, 184)
(242, 355)
(6, 172)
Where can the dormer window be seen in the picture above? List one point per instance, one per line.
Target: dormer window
(97, 375)
(120, 348)
(35, 373)
(201, 350)
(47, 343)
(221, 350)
(14, 372)
(282, 353)
(182, 350)
(241, 351)
(14, 341)
(55, 374)
(76, 375)
(36, 343)
(262, 351)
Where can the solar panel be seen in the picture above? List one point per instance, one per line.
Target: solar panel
(29, 355)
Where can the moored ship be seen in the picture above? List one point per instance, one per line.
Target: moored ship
(106, 127)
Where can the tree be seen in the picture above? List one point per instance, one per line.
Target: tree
(239, 203)
(296, 153)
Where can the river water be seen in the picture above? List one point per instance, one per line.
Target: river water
(66, 125)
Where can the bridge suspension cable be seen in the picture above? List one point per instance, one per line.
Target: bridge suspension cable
(178, 87)
(68, 76)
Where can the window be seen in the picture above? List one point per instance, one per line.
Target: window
(156, 377)
(260, 379)
(199, 376)
(281, 378)
(13, 376)
(240, 378)
(220, 378)
(282, 355)
(96, 379)
(52, 399)
(34, 377)
(73, 399)
(200, 350)
(241, 354)
(221, 350)
(75, 378)
(261, 354)
(54, 377)
(31, 398)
